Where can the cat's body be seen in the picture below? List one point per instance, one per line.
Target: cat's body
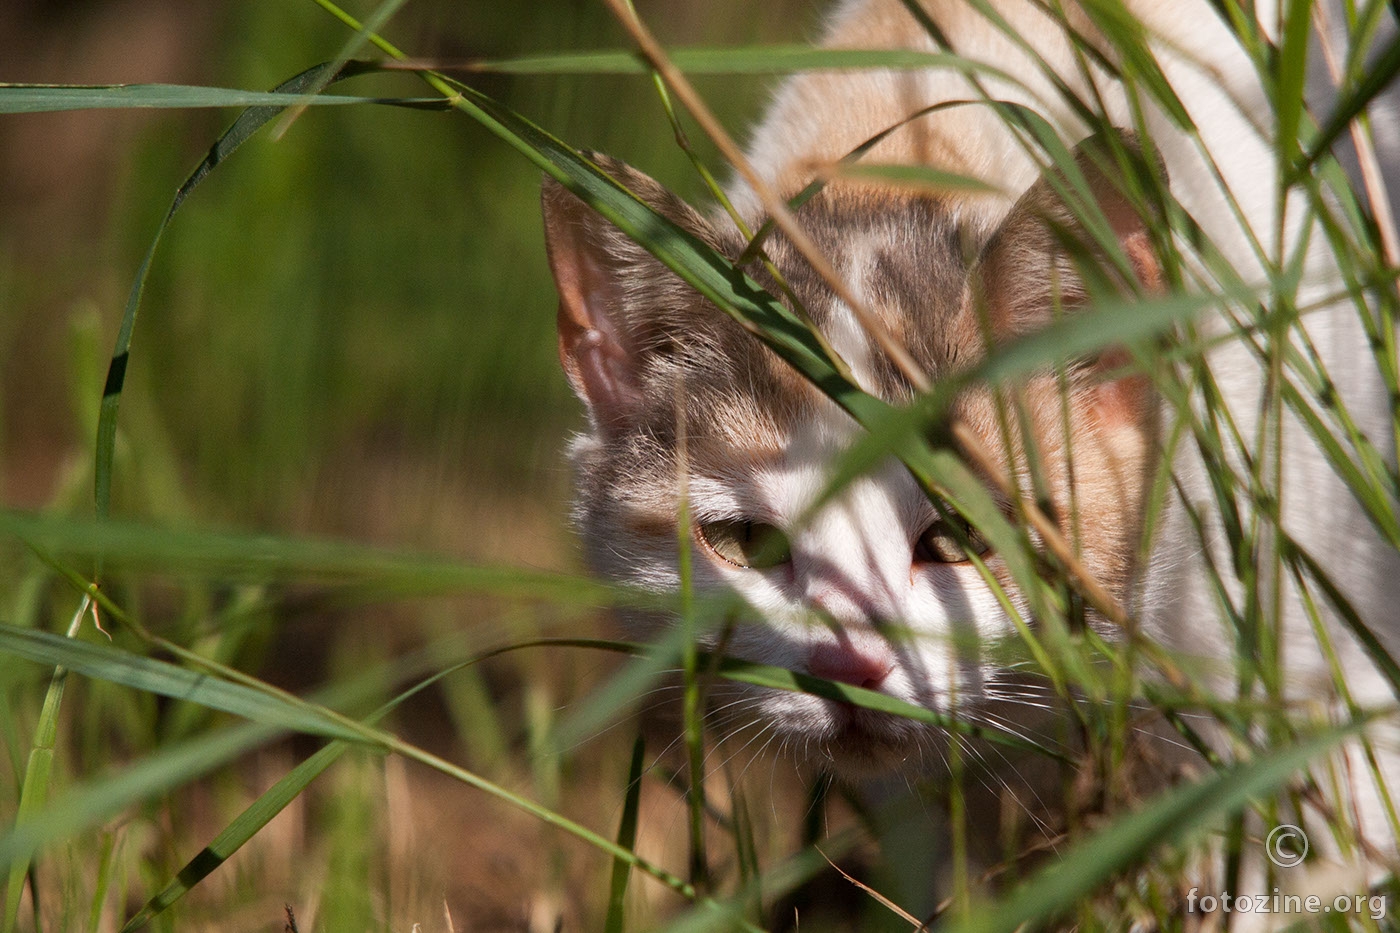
(761, 442)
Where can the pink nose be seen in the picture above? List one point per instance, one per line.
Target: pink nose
(858, 665)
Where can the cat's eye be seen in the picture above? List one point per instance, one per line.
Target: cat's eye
(746, 544)
(941, 543)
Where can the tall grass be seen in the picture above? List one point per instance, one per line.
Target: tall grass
(230, 657)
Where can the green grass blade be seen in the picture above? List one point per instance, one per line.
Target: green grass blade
(1375, 649)
(107, 867)
(276, 798)
(915, 176)
(375, 21)
(778, 678)
(35, 788)
(262, 558)
(626, 838)
(1376, 80)
(248, 824)
(248, 123)
(151, 777)
(104, 662)
(52, 98)
(1172, 817)
(760, 60)
(1292, 77)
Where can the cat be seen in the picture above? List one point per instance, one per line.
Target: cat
(936, 271)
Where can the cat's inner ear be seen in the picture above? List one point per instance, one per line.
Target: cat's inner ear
(1044, 260)
(1045, 256)
(610, 294)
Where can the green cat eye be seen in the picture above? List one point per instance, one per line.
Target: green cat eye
(940, 543)
(747, 544)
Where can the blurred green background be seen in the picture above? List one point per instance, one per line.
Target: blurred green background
(347, 330)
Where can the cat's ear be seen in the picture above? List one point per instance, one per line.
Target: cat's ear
(1044, 255)
(1044, 260)
(611, 292)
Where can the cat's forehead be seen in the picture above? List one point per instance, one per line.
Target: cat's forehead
(903, 258)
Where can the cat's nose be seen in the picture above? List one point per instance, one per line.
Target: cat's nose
(860, 664)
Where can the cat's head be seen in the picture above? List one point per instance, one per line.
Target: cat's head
(874, 588)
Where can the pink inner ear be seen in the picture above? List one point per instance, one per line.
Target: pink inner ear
(603, 376)
(591, 350)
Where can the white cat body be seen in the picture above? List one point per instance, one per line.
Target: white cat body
(897, 608)
(818, 118)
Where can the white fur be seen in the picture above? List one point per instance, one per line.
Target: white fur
(868, 531)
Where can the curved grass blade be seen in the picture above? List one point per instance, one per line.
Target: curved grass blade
(381, 15)
(626, 838)
(664, 656)
(170, 768)
(272, 802)
(922, 177)
(248, 123)
(1127, 842)
(104, 662)
(151, 777)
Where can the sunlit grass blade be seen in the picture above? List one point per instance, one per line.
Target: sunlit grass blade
(1175, 816)
(919, 177)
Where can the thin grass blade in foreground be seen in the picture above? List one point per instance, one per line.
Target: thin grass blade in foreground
(54, 98)
(1172, 817)
(112, 664)
(248, 123)
(199, 756)
(35, 787)
(230, 556)
(627, 839)
(36, 776)
(272, 802)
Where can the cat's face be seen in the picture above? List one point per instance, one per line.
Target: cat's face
(874, 587)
